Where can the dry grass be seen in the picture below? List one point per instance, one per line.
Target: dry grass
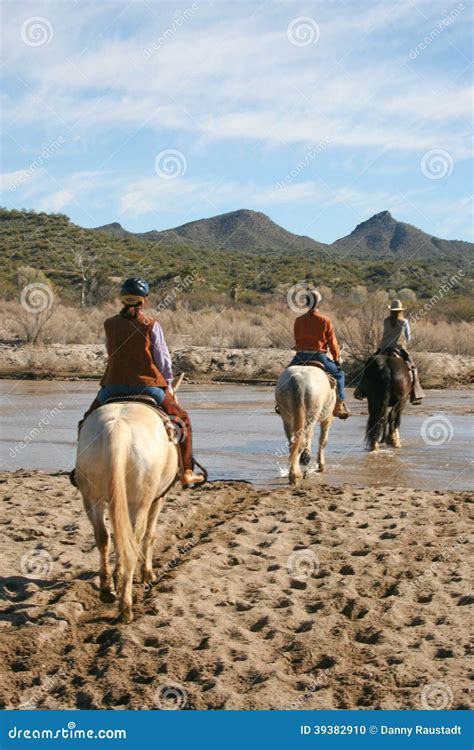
(358, 328)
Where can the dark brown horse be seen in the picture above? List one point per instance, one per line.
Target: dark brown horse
(386, 382)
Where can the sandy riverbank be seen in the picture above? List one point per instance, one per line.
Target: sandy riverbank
(202, 364)
(316, 597)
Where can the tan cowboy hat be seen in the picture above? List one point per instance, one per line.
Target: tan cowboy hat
(396, 306)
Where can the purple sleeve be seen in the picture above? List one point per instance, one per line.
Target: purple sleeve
(161, 353)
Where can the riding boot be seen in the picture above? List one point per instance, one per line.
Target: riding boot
(341, 410)
(416, 394)
(183, 437)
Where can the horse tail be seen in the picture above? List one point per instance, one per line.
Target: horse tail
(297, 438)
(124, 536)
(378, 396)
(299, 423)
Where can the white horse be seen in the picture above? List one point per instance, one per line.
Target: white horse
(304, 396)
(126, 462)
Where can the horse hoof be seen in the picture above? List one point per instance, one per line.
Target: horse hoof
(321, 468)
(305, 458)
(107, 596)
(126, 615)
(148, 577)
(294, 478)
(374, 448)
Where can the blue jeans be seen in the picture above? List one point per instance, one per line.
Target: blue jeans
(329, 365)
(107, 391)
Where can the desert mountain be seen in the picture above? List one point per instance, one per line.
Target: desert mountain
(237, 230)
(382, 237)
(379, 238)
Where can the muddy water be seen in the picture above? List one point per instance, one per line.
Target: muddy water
(238, 435)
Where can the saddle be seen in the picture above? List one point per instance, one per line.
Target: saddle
(143, 398)
(320, 366)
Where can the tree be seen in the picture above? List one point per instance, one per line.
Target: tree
(362, 330)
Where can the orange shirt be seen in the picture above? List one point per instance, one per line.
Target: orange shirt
(315, 333)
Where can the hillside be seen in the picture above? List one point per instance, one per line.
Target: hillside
(238, 230)
(382, 236)
(243, 247)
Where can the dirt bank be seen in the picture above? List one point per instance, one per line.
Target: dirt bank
(202, 364)
(316, 597)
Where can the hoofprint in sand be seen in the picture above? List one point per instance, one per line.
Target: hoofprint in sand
(308, 598)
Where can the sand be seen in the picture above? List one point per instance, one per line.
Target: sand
(297, 598)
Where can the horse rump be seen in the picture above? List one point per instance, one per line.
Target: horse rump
(377, 386)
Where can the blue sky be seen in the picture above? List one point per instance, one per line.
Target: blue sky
(319, 114)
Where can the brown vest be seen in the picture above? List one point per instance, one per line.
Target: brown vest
(130, 355)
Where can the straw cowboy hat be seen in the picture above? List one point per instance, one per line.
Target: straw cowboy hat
(396, 306)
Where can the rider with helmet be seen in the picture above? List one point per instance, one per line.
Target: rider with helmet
(139, 362)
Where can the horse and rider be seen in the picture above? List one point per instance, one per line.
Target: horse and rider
(139, 363)
(389, 378)
(396, 337)
(314, 338)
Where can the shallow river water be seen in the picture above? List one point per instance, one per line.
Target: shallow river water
(237, 435)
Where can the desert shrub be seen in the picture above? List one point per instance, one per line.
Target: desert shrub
(361, 330)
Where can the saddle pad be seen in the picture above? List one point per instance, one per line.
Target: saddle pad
(147, 401)
(320, 365)
(312, 364)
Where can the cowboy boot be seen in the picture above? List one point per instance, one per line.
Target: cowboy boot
(190, 479)
(416, 393)
(341, 410)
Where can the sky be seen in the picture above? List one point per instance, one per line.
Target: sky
(319, 114)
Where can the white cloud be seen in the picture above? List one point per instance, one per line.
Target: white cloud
(254, 82)
(57, 201)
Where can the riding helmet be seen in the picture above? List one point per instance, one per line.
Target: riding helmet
(136, 287)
